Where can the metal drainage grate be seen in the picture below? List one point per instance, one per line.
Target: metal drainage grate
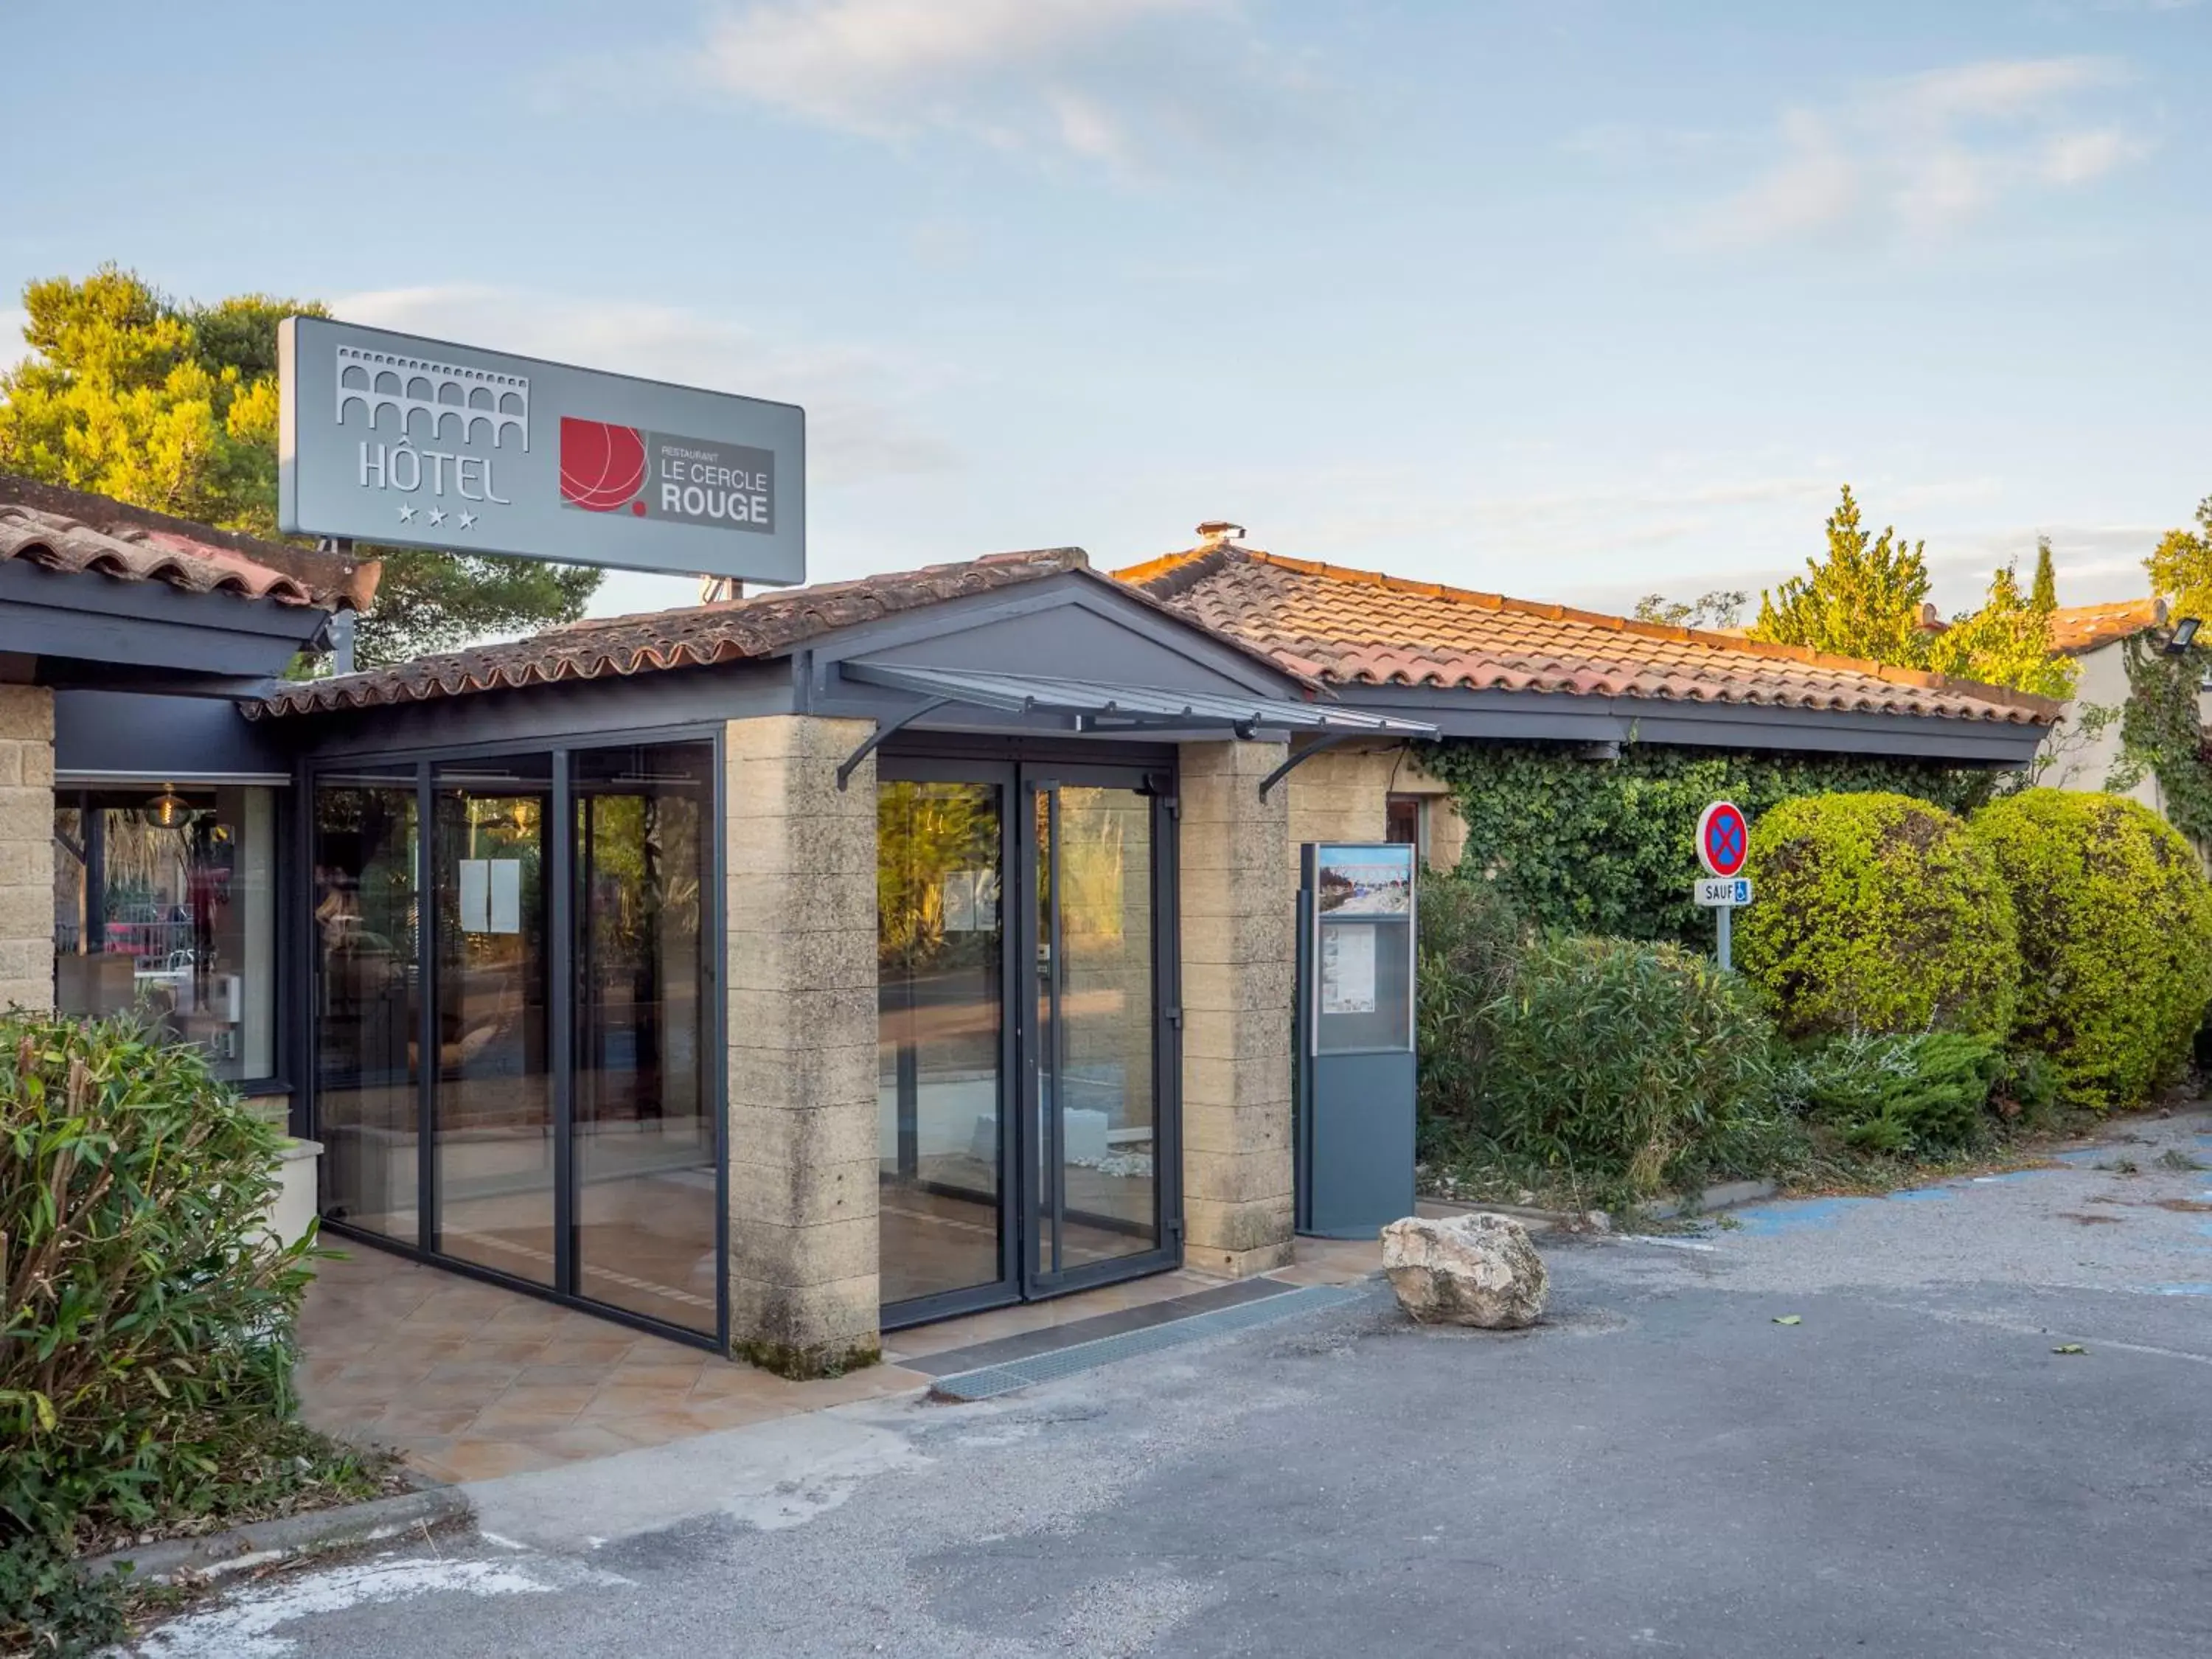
(995, 1380)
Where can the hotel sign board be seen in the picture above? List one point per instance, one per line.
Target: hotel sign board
(391, 438)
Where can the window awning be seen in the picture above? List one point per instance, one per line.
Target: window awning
(1097, 708)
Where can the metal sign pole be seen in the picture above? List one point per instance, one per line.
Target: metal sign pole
(1721, 915)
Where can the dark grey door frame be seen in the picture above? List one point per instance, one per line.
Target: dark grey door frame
(1028, 1142)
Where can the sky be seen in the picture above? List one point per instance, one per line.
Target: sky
(1574, 300)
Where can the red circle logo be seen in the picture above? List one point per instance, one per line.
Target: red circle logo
(1723, 839)
(602, 465)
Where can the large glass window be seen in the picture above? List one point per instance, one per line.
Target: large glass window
(367, 1017)
(164, 904)
(644, 1117)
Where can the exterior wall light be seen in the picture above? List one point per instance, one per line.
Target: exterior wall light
(2184, 635)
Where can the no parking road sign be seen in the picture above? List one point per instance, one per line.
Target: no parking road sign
(1723, 839)
(1724, 845)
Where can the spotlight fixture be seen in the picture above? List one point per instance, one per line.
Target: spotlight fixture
(2184, 635)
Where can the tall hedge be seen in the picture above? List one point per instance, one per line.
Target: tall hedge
(1878, 913)
(2116, 932)
(1608, 846)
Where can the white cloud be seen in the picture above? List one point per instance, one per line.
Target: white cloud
(856, 427)
(1116, 82)
(1927, 153)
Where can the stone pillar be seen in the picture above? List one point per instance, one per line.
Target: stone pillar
(27, 847)
(1239, 968)
(799, 859)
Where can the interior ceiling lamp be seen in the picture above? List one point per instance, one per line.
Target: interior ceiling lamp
(168, 808)
(2184, 635)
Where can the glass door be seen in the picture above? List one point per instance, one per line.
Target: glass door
(492, 1126)
(1023, 1124)
(941, 950)
(1092, 1046)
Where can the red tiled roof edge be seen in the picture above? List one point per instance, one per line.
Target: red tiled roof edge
(2075, 629)
(694, 636)
(1177, 573)
(295, 575)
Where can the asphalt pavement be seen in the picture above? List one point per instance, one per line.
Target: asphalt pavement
(1921, 1464)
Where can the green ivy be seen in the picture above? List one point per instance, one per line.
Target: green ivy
(2162, 734)
(1609, 847)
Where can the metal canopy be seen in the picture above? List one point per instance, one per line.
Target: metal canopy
(1101, 708)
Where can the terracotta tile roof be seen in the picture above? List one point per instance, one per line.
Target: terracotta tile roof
(2075, 629)
(1358, 627)
(732, 631)
(69, 530)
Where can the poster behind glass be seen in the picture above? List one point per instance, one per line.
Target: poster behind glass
(1363, 948)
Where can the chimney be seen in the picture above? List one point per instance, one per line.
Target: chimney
(1215, 531)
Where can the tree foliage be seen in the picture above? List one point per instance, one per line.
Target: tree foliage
(1869, 598)
(1720, 608)
(2180, 567)
(173, 405)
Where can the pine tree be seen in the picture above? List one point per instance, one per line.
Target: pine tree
(2007, 641)
(1867, 599)
(173, 406)
(1864, 600)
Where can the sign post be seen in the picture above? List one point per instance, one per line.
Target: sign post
(1723, 847)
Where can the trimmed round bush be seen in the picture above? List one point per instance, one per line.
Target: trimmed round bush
(1878, 913)
(2116, 933)
(1615, 1058)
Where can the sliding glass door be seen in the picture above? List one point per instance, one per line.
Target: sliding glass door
(1025, 1074)
(524, 994)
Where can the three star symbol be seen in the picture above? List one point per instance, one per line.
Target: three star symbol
(437, 517)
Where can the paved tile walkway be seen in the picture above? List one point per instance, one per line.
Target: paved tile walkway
(470, 1382)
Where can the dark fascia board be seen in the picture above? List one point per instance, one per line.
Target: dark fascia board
(79, 624)
(1554, 717)
(538, 714)
(821, 690)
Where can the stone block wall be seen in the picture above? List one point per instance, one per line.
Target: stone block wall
(800, 911)
(27, 847)
(1343, 795)
(1239, 970)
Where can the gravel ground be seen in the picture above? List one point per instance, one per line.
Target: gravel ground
(1909, 1470)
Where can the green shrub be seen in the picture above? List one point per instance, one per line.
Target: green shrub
(1612, 1060)
(1878, 913)
(49, 1605)
(1469, 939)
(1915, 1096)
(145, 1343)
(2116, 933)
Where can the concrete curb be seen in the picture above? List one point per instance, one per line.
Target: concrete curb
(259, 1543)
(1726, 1195)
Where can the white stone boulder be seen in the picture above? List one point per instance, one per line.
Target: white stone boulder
(1475, 1269)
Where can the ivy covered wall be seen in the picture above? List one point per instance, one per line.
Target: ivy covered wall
(1609, 847)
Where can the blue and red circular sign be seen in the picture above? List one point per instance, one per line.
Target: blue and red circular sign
(1723, 839)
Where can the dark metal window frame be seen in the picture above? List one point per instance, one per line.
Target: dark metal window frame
(559, 1012)
(1019, 770)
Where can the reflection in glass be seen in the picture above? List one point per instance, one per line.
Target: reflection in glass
(164, 904)
(645, 1155)
(494, 1111)
(939, 975)
(1095, 1017)
(366, 1014)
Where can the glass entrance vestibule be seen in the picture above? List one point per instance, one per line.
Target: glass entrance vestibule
(1027, 1063)
(515, 1024)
